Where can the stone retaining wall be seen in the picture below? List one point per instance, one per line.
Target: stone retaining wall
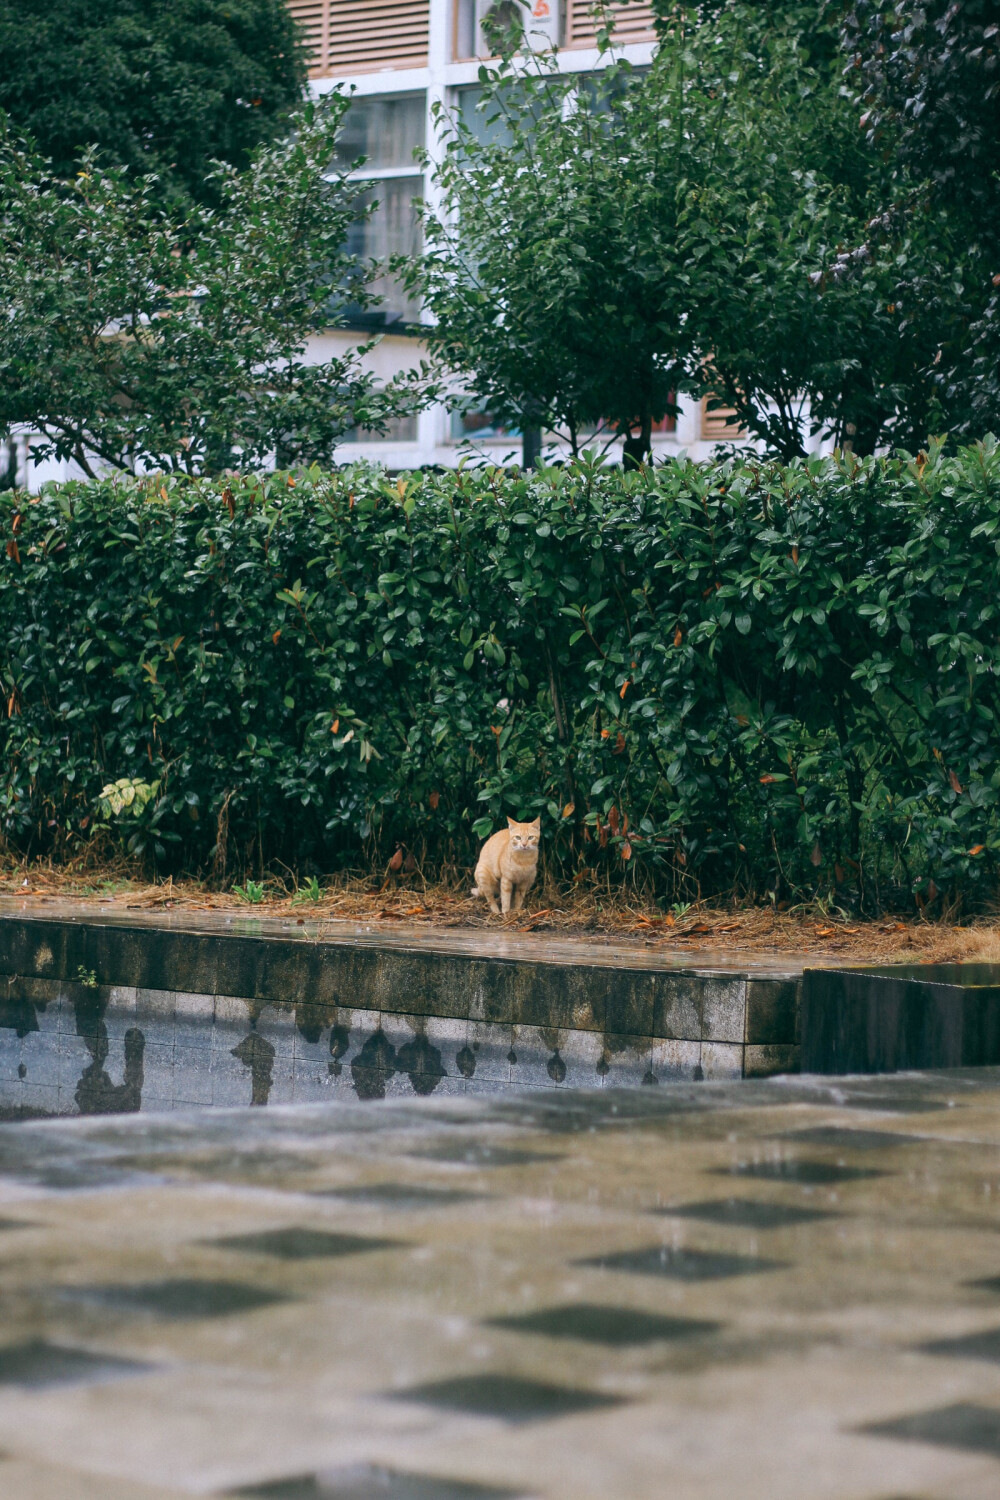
(98, 1018)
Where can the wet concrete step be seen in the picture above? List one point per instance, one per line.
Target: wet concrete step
(890, 1018)
(208, 1008)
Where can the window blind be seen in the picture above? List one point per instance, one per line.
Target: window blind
(358, 36)
(633, 23)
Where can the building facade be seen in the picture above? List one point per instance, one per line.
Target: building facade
(400, 58)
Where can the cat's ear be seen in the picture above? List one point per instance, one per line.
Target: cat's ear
(512, 823)
(537, 823)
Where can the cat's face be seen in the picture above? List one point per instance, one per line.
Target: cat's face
(524, 835)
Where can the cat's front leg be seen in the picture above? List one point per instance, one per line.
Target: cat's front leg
(520, 891)
(506, 888)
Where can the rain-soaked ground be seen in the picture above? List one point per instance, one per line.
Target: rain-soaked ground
(780, 1290)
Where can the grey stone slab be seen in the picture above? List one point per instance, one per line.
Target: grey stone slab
(675, 1062)
(765, 1061)
(772, 1012)
(677, 1010)
(43, 1097)
(193, 1081)
(626, 1062)
(486, 1057)
(154, 1005)
(721, 1061)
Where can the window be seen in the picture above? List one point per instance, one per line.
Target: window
(478, 23)
(385, 132)
(398, 430)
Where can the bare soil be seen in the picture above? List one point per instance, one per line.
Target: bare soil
(592, 913)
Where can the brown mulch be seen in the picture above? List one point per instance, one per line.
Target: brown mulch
(594, 914)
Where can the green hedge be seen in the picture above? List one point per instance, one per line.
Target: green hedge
(711, 678)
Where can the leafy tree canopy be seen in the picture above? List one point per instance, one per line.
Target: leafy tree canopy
(161, 86)
(927, 82)
(605, 245)
(133, 339)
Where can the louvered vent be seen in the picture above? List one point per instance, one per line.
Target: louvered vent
(310, 14)
(719, 425)
(363, 36)
(633, 23)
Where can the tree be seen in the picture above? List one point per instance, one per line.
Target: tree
(553, 269)
(605, 245)
(927, 83)
(164, 87)
(133, 340)
(794, 332)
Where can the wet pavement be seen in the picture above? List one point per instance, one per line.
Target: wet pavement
(775, 1290)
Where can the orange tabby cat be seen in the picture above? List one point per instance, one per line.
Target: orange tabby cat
(508, 863)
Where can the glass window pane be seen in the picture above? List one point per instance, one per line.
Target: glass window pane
(393, 229)
(384, 131)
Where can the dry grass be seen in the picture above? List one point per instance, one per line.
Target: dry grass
(552, 909)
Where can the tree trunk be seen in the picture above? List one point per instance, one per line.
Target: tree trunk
(637, 448)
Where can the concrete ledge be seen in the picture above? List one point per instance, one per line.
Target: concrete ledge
(899, 1017)
(362, 1013)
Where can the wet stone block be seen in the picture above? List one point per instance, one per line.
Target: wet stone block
(302, 1244)
(746, 1213)
(765, 1061)
(682, 1265)
(772, 1009)
(508, 1398)
(36, 1365)
(900, 1017)
(179, 1298)
(965, 1426)
(808, 1173)
(372, 1482)
(614, 1327)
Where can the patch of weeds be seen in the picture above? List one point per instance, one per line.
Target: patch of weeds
(87, 978)
(252, 892)
(311, 891)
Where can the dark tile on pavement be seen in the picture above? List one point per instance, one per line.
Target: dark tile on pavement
(617, 1327)
(510, 1398)
(302, 1244)
(974, 1429)
(842, 1138)
(746, 1213)
(36, 1365)
(371, 1482)
(810, 1173)
(982, 1345)
(179, 1297)
(401, 1195)
(682, 1265)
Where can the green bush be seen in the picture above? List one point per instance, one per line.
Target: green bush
(709, 678)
